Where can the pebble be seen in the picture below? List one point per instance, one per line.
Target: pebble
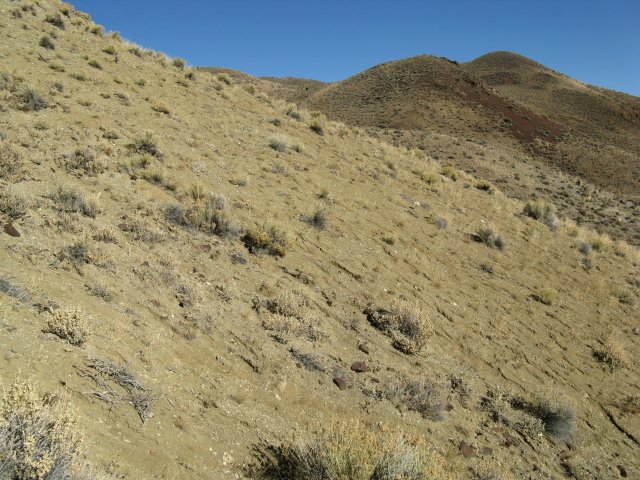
(360, 367)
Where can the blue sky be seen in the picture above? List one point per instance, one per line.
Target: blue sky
(594, 41)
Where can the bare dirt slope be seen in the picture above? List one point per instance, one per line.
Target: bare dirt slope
(196, 268)
(551, 123)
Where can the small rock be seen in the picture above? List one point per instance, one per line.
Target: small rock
(11, 230)
(487, 451)
(466, 450)
(448, 407)
(364, 348)
(622, 471)
(341, 383)
(206, 248)
(360, 367)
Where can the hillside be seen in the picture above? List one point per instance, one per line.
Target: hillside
(551, 126)
(198, 279)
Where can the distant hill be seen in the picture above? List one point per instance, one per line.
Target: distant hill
(550, 122)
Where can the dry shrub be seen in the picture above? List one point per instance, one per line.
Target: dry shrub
(266, 238)
(13, 205)
(546, 296)
(69, 324)
(412, 322)
(349, 451)
(11, 165)
(613, 354)
(420, 396)
(38, 436)
(69, 199)
(290, 313)
(83, 161)
(543, 212)
(451, 172)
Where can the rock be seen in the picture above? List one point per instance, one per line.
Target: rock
(622, 471)
(360, 367)
(206, 248)
(487, 451)
(341, 382)
(364, 348)
(11, 230)
(466, 450)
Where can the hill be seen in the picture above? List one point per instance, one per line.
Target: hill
(201, 281)
(574, 144)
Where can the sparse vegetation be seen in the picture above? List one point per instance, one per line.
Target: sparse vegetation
(405, 322)
(487, 235)
(317, 126)
(83, 161)
(543, 212)
(267, 238)
(12, 204)
(70, 199)
(32, 100)
(317, 219)
(279, 143)
(486, 186)
(95, 64)
(179, 63)
(146, 143)
(69, 324)
(613, 354)
(39, 436)
(451, 172)
(46, 42)
(56, 20)
(346, 450)
(110, 50)
(546, 296)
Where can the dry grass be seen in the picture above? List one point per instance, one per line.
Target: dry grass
(348, 450)
(290, 313)
(542, 211)
(38, 436)
(267, 238)
(547, 296)
(70, 324)
(613, 354)
(12, 166)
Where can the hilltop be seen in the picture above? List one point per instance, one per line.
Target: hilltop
(200, 280)
(573, 144)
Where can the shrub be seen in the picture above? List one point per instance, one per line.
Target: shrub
(290, 314)
(317, 219)
(224, 78)
(110, 50)
(78, 253)
(278, 143)
(601, 243)
(485, 234)
(161, 107)
(32, 100)
(612, 354)
(84, 161)
(38, 436)
(97, 30)
(423, 397)
(13, 205)
(293, 112)
(348, 451)
(55, 20)
(316, 126)
(95, 64)
(81, 77)
(146, 143)
(68, 324)
(442, 223)
(409, 319)
(46, 42)
(70, 199)
(57, 67)
(557, 416)
(267, 238)
(485, 186)
(451, 172)
(546, 296)
(543, 212)
(178, 63)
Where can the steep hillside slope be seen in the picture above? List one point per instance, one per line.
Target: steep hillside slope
(202, 273)
(551, 126)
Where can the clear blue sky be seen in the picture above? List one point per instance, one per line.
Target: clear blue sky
(594, 41)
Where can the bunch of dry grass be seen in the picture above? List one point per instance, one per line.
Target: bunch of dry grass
(290, 313)
(347, 450)
(267, 238)
(543, 212)
(38, 436)
(11, 165)
(613, 354)
(69, 324)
